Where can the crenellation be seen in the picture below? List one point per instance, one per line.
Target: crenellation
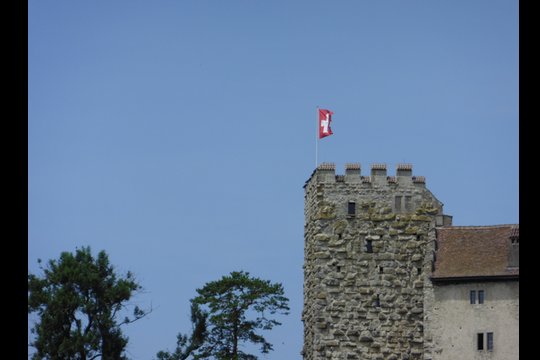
(419, 181)
(326, 174)
(352, 173)
(404, 170)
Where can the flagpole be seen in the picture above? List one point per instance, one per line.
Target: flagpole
(317, 139)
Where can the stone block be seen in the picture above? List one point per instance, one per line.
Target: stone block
(330, 343)
(365, 336)
(416, 257)
(322, 255)
(322, 237)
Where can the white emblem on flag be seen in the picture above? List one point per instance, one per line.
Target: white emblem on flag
(325, 123)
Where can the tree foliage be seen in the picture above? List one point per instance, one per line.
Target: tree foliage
(78, 300)
(236, 308)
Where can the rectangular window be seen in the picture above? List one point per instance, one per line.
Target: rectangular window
(408, 206)
(473, 297)
(480, 341)
(369, 246)
(397, 203)
(480, 296)
(351, 209)
(490, 341)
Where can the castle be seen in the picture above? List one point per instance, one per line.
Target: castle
(387, 276)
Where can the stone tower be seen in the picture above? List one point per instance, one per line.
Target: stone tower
(369, 244)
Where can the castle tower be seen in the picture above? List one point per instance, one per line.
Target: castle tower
(369, 244)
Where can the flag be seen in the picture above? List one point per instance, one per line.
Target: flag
(325, 117)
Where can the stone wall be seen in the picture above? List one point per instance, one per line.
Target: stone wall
(366, 274)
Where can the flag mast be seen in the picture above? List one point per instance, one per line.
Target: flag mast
(317, 139)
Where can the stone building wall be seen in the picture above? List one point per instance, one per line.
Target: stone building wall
(366, 274)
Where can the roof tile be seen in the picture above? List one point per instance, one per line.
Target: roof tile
(473, 251)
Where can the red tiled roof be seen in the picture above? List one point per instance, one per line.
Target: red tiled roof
(474, 251)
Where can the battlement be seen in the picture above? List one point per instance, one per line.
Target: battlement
(326, 172)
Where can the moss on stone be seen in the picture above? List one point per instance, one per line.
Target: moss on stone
(367, 204)
(427, 208)
(340, 226)
(416, 217)
(327, 211)
(385, 210)
(399, 224)
(411, 230)
(322, 237)
(381, 217)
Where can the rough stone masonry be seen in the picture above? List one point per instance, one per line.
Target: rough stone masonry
(369, 244)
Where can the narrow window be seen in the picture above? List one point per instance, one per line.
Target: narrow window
(480, 296)
(480, 341)
(397, 203)
(369, 246)
(351, 209)
(407, 203)
(490, 341)
(473, 297)
(418, 271)
(381, 269)
(378, 301)
(339, 269)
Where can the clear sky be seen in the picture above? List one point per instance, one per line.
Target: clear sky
(177, 135)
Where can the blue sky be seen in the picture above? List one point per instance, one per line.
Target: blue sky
(177, 135)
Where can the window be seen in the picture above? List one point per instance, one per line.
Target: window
(407, 203)
(369, 246)
(480, 341)
(473, 298)
(378, 301)
(351, 209)
(490, 341)
(480, 296)
(397, 203)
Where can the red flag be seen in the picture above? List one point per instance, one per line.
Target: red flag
(325, 117)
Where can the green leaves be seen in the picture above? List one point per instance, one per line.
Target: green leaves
(237, 306)
(227, 313)
(77, 301)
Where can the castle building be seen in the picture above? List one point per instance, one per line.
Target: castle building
(387, 276)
